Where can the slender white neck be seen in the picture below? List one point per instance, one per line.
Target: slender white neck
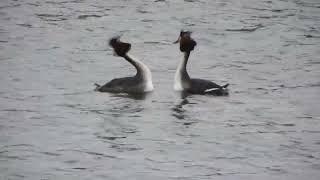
(142, 71)
(182, 79)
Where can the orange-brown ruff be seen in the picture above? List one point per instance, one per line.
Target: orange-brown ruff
(140, 83)
(183, 82)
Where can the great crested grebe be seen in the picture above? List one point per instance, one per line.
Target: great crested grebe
(183, 82)
(140, 83)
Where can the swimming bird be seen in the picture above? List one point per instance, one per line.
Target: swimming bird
(140, 83)
(182, 80)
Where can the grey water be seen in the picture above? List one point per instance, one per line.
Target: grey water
(54, 126)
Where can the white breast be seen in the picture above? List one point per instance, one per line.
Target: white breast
(147, 76)
(148, 87)
(177, 81)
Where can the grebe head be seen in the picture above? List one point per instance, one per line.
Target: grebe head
(187, 44)
(120, 48)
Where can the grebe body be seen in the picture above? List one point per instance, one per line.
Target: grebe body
(140, 83)
(183, 82)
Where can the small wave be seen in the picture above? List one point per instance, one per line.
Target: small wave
(265, 9)
(298, 86)
(19, 176)
(267, 132)
(99, 154)
(156, 42)
(278, 10)
(162, 141)
(81, 49)
(189, 123)
(265, 17)
(85, 16)
(274, 169)
(51, 17)
(74, 93)
(10, 6)
(125, 147)
(311, 36)
(188, 135)
(103, 7)
(227, 173)
(310, 156)
(25, 25)
(305, 117)
(63, 170)
(47, 49)
(189, 24)
(158, 161)
(287, 124)
(111, 138)
(50, 153)
(247, 29)
(90, 153)
(308, 4)
(33, 4)
(237, 102)
(71, 161)
(246, 62)
(12, 157)
(64, 2)
(18, 145)
(17, 110)
(230, 158)
(276, 16)
(4, 151)
(147, 20)
(80, 168)
(126, 109)
(143, 11)
(310, 131)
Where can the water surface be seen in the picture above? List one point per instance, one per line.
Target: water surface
(54, 126)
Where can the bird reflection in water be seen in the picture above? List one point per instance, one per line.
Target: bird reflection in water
(180, 113)
(135, 96)
(119, 122)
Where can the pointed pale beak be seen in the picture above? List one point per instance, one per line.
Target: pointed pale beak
(178, 40)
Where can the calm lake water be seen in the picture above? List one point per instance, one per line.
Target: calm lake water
(54, 126)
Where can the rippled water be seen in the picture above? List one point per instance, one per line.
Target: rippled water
(54, 126)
